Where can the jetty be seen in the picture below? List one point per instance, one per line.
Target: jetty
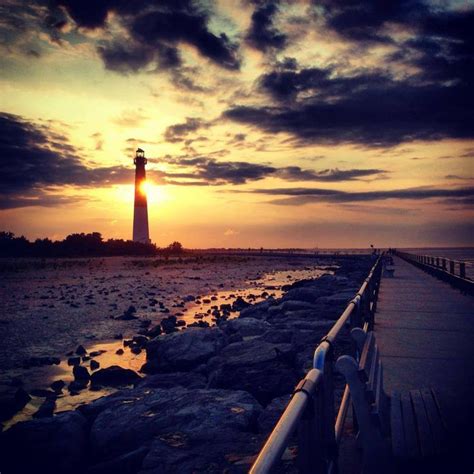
(408, 402)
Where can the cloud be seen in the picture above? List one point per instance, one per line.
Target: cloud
(262, 34)
(35, 158)
(301, 196)
(153, 32)
(179, 132)
(213, 172)
(422, 90)
(384, 114)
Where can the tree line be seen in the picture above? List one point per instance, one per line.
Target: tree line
(80, 245)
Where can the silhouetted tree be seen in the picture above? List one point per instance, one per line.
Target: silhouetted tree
(74, 245)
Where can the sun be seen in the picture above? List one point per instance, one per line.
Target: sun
(144, 187)
(152, 191)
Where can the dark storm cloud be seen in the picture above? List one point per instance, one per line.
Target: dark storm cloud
(34, 158)
(384, 114)
(214, 172)
(154, 31)
(364, 20)
(262, 34)
(301, 196)
(432, 99)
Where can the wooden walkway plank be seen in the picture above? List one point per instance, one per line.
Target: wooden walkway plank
(438, 430)
(409, 426)
(396, 421)
(424, 330)
(425, 436)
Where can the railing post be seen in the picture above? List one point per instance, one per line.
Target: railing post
(451, 267)
(437, 261)
(443, 263)
(462, 269)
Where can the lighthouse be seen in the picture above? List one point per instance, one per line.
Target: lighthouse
(140, 214)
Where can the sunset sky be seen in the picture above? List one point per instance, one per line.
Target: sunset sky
(269, 123)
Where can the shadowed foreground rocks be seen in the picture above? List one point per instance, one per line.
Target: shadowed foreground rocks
(209, 399)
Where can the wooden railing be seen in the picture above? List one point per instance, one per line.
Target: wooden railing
(453, 271)
(311, 411)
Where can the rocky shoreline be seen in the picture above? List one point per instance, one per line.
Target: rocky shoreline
(206, 398)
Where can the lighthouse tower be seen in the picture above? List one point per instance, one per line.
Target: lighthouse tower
(140, 215)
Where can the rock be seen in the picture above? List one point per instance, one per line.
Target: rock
(46, 409)
(247, 326)
(272, 413)
(154, 331)
(81, 374)
(189, 420)
(94, 365)
(119, 352)
(239, 304)
(114, 376)
(183, 351)
(257, 311)
(74, 361)
(342, 297)
(140, 341)
(12, 400)
(263, 369)
(135, 350)
(292, 305)
(76, 386)
(199, 324)
(128, 463)
(169, 324)
(97, 353)
(309, 294)
(58, 385)
(170, 380)
(42, 393)
(277, 336)
(40, 361)
(81, 350)
(183, 453)
(54, 444)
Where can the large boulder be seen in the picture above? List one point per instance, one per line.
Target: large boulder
(261, 368)
(55, 444)
(247, 326)
(12, 400)
(272, 413)
(143, 416)
(308, 294)
(175, 453)
(174, 379)
(114, 376)
(184, 350)
(128, 463)
(259, 310)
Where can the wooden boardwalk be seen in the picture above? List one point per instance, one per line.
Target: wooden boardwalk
(425, 332)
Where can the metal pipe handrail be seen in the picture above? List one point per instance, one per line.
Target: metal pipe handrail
(278, 441)
(322, 429)
(442, 264)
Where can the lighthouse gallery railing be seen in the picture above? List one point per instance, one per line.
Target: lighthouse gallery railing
(311, 410)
